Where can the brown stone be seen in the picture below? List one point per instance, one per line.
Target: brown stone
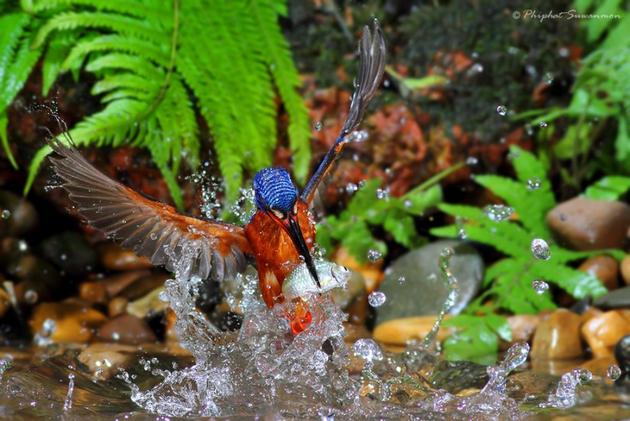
(523, 326)
(558, 337)
(586, 224)
(105, 360)
(400, 331)
(126, 329)
(604, 268)
(117, 306)
(625, 269)
(147, 305)
(588, 314)
(371, 272)
(73, 322)
(599, 366)
(144, 286)
(5, 302)
(114, 257)
(604, 331)
(94, 292)
(117, 283)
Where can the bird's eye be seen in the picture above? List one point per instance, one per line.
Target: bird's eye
(278, 214)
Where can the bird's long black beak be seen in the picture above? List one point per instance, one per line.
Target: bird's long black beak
(298, 239)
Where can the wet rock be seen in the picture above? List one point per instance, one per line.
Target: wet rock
(622, 354)
(619, 298)
(105, 360)
(456, 376)
(371, 272)
(586, 224)
(144, 285)
(114, 257)
(117, 306)
(414, 286)
(5, 302)
(625, 269)
(11, 249)
(126, 329)
(147, 305)
(604, 268)
(65, 322)
(604, 331)
(37, 275)
(117, 283)
(400, 331)
(94, 292)
(70, 252)
(523, 327)
(558, 337)
(599, 365)
(589, 313)
(17, 215)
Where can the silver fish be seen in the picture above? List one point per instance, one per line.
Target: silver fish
(300, 283)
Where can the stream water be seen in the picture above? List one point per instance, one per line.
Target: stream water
(264, 371)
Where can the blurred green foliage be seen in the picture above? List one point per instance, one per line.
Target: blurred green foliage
(372, 207)
(508, 282)
(157, 67)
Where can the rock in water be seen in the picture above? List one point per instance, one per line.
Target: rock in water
(585, 224)
(70, 252)
(424, 291)
(17, 215)
(619, 298)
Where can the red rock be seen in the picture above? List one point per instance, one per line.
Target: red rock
(558, 337)
(126, 329)
(604, 268)
(586, 224)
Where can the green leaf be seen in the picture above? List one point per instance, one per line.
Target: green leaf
(475, 340)
(611, 187)
(4, 122)
(401, 227)
(417, 202)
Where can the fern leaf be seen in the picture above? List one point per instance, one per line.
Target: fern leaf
(12, 25)
(287, 80)
(121, 61)
(4, 139)
(150, 10)
(136, 46)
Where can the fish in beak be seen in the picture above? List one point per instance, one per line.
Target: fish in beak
(293, 228)
(290, 224)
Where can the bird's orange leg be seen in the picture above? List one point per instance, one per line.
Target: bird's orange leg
(300, 316)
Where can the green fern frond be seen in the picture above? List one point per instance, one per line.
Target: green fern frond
(123, 25)
(286, 78)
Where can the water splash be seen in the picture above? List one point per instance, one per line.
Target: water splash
(540, 249)
(67, 403)
(451, 298)
(261, 365)
(565, 395)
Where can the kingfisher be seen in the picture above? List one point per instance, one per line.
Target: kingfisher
(279, 237)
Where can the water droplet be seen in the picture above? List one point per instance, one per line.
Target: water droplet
(540, 286)
(153, 236)
(368, 350)
(540, 249)
(498, 213)
(548, 78)
(377, 299)
(472, 160)
(407, 203)
(460, 223)
(6, 214)
(318, 126)
(401, 280)
(502, 110)
(351, 188)
(63, 257)
(373, 255)
(382, 194)
(614, 372)
(534, 183)
(30, 296)
(543, 124)
(48, 327)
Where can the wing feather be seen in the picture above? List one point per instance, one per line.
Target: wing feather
(150, 228)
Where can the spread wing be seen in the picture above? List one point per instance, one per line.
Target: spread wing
(151, 229)
(372, 56)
